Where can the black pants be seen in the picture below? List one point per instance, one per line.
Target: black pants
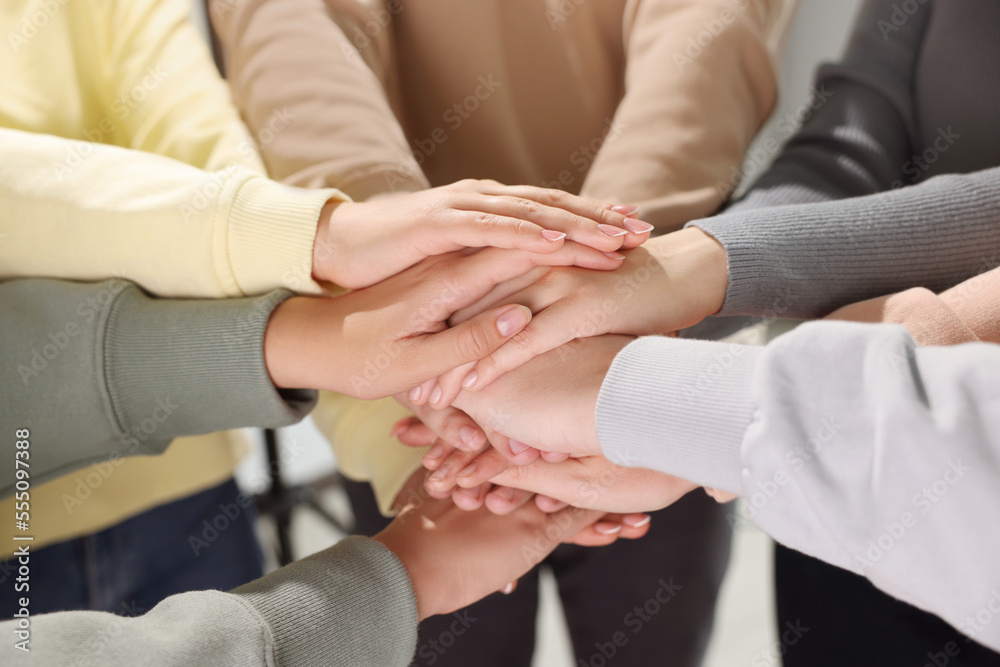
(848, 621)
(635, 603)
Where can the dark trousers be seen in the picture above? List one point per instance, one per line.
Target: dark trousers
(635, 603)
(850, 622)
(128, 568)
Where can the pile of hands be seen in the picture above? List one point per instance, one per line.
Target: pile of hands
(494, 313)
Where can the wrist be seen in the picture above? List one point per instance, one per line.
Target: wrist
(324, 245)
(698, 271)
(298, 348)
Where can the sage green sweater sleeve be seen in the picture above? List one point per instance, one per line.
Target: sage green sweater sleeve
(100, 370)
(349, 605)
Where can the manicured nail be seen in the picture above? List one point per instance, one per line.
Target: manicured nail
(614, 255)
(508, 589)
(512, 321)
(517, 447)
(472, 436)
(552, 235)
(505, 492)
(468, 470)
(436, 452)
(625, 209)
(436, 394)
(439, 475)
(607, 528)
(470, 380)
(612, 231)
(635, 520)
(637, 226)
(414, 394)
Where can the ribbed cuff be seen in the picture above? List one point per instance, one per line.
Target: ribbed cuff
(272, 230)
(352, 604)
(174, 368)
(679, 406)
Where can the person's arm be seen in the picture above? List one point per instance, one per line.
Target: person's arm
(847, 442)
(700, 80)
(101, 370)
(315, 62)
(862, 124)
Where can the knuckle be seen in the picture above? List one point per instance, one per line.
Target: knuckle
(526, 209)
(475, 341)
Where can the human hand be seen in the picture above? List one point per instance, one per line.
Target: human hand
(386, 338)
(455, 557)
(359, 244)
(670, 283)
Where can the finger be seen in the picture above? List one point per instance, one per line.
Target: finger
(553, 327)
(417, 434)
(598, 534)
(420, 394)
(481, 469)
(638, 233)
(508, 221)
(453, 426)
(503, 292)
(437, 455)
(509, 588)
(448, 386)
(503, 500)
(549, 505)
(515, 452)
(554, 457)
(443, 479)
(470, 499)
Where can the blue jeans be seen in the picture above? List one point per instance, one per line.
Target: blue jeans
(128, 568)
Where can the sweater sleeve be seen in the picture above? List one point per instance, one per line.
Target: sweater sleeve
(700, 80)
(887, 467)
(101, 371)
(349, 605)
(320, 64)
(81, 211)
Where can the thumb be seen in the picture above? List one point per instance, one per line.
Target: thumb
(469, 341)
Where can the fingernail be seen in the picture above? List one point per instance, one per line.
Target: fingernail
(505, 492)
(436, 452)
(436, 394)
(512, 321)
(470, 435)
(606, 528)
(517, 447)
(612, 231)
(439, 475)
(400, 426)
(625, 209)
(470, 379)
(614, 255)
(552, 235)
(635, 520)
(508, 589)
(472, 493)
(637, 226)
(414, 394)
(468, 470)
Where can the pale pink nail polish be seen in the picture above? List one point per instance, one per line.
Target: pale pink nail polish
(638, 226)
(508, 589)
(612, 231)
(636, 521)
(552, 235)
(437, 394)
(614, 255)
(625, 209)
(414, 394)
(607, 528)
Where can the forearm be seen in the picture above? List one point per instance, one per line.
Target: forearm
(98, 371)
(688, 117)
(173, 229)
(832, 466)
(357, 593)
(808, 260)
(295, 57)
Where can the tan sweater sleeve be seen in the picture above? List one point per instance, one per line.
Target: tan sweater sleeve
(965, 313)
(317, 78)
(700, 82)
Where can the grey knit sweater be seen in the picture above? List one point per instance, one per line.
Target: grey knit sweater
(80, 365)
(846, 441)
